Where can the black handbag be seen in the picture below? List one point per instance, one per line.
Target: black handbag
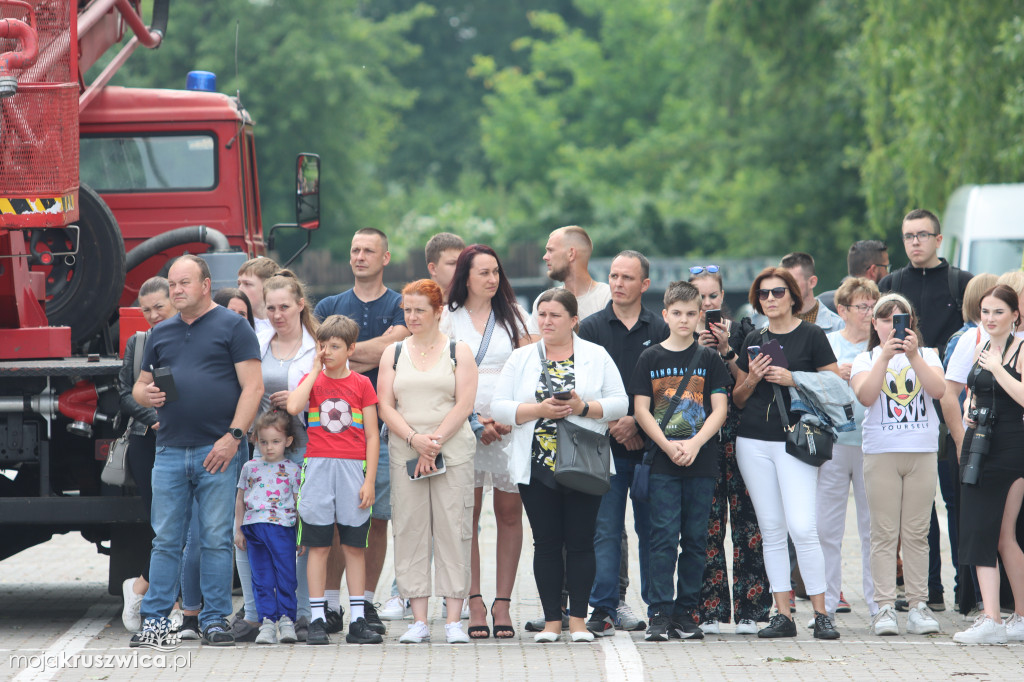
(640, 490)
(582, 457)
(809, 443)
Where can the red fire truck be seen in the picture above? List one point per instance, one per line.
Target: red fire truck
(100, 187)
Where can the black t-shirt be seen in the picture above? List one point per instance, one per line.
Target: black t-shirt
(657, 376)
(806, 349)
(202, 357)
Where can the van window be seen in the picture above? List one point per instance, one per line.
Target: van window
(153, 163)
(996, 255)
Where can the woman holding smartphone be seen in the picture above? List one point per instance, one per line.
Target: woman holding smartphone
(750, 597)
(425, 397)
(782, 487)
(898, 381)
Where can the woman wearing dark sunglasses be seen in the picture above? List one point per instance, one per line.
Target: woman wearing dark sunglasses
(782, 488)
(746, 597)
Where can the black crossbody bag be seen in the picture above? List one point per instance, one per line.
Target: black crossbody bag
(640, 490)
(809, 443)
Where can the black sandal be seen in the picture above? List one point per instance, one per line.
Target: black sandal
(478, 631)
(502, 631)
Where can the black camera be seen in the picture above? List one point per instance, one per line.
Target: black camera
(984, 419)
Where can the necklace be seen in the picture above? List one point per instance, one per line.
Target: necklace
(290, 354)
(423, 353)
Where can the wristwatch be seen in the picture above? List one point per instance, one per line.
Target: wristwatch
(729, 356)
(236, 433)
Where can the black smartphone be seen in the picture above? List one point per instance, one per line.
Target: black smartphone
(900, 323)
(562, 395)
(410, 466)
(165, 382)
(712, 317)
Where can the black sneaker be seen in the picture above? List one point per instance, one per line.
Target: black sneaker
(218, 633)
(902, 605)
(360, 632)
(334, 620)
(301, 628)
(685, 628)
(937, 601)
(778, 626)
(823, 627)
(317, 632)
(601, 623)
(373, 621)
(658, 631)
(190, 627)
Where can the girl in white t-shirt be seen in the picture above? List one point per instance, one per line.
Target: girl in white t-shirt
(898, 381)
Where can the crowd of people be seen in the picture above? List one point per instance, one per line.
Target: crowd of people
(282, 439)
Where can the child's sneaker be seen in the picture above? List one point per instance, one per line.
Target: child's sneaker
(359, 632)
(218, 633)
(373, 620)
(189, 627)
(417, 632)
(395, 608)
(130, 615)
(286, 631)
(317, 632)
(334, 620)
(268, 632)
(301, 628)
(454, 633)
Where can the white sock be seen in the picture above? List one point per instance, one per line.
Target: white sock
(368, 596)
(316, 606)
(333, 598)
(356, 609)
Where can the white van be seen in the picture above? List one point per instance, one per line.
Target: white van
(983, 228)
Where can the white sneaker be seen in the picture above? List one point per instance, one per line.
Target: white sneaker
(885, 623)
(454, 633)
(1014, 628)
(417, 632)
(130, 615)
(921, 620)
(286, 631)
(268, 632)
(746, 627)
(711, 627)
(395, 608)
(177, 618)
(984, 631)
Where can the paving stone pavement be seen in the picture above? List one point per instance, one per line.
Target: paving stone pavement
(54, 606)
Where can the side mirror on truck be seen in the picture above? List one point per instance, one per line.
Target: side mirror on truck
(307, 202)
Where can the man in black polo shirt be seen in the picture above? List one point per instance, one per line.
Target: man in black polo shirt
(213, 358)
(625, 329)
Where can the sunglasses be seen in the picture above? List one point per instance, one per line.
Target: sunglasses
(777, 292)
(697, 269)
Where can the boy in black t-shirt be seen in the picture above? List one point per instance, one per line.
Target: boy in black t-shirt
(685, 467)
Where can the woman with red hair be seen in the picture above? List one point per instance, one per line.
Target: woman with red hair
(426, 388)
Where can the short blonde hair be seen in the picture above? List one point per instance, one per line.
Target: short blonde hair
(853, 287)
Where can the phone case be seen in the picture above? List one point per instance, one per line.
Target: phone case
(165, 382)
(410, 466)
(773, 349)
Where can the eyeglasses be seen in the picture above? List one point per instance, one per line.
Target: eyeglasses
(917, 236)
(885, 266)
(777, 292)
(697, 269)
(862, 308)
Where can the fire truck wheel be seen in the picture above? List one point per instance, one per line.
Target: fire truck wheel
(83, 292)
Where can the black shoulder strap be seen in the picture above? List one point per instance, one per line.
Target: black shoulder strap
(778, 392)
(451, 351)
(953, 279)
(677, 397)
(398, 352)
(897, 280)
(140, 350)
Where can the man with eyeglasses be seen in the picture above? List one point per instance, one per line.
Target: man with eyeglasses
(936, 289)
(868, 258)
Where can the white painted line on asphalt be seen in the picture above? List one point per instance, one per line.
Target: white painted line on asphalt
(72, 642)
(621, 659)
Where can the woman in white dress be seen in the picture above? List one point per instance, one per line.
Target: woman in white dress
(483, 313)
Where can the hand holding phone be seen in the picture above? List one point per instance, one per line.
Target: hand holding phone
(438, 462)
(900, 324)
(562, 395)
(165, 382)
(713, 317)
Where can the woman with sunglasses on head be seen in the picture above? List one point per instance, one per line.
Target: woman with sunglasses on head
(782, 487)
(750, 599)
(484, 314)
(990, 504)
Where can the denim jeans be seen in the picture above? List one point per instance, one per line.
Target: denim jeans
(191, 592)
(679, 509)
(611, 518)
(178, 474)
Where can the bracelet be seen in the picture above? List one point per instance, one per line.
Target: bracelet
(408, 439)
(586, 408)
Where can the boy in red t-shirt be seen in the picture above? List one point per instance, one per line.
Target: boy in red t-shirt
(337, 489)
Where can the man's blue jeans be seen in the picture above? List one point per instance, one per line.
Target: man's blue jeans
(611, 518)
(178, 474)
(679, 519)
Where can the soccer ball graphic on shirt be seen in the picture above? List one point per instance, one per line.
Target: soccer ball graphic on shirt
(335, 415)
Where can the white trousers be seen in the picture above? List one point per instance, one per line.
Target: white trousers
(834, 480)
(783, 490)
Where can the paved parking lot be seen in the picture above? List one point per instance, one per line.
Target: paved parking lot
(55, 614)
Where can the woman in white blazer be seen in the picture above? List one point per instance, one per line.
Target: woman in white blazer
(561, 518)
